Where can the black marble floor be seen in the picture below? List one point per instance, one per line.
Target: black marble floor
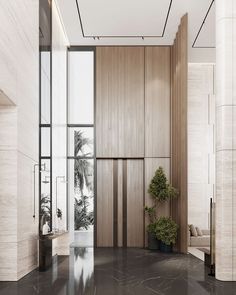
(119, 271)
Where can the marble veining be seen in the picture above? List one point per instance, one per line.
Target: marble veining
(121, 271)
(201, 152)
(19, 63)
(225, 138)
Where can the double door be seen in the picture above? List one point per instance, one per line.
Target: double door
(120, 203)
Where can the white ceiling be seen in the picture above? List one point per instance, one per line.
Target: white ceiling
(125, 22)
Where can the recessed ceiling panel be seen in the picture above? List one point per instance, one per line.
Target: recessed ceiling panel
(124, 22)
(123, 18)
(205, 37)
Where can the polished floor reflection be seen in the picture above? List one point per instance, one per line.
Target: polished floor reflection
(121, 271)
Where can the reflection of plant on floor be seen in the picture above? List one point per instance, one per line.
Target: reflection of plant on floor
(84, 276)
(80, 252)
(45, 210)
(83, 179)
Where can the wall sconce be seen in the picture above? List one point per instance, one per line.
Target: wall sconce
(46, 180)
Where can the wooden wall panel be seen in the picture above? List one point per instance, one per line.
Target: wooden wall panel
(131, 139)
(179, 64)
(135, 203)
(132, 99)
(157, 101)
(151, 165)
(104, 203)
(108, 81)
(120, 101)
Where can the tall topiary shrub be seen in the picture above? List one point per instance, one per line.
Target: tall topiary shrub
(160, 191)
(159, 188)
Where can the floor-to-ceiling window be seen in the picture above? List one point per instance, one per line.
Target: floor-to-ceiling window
(81, 144)
(45, 118)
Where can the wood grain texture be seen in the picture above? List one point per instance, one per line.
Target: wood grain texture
(179, 63)
(105, 203)
(151, 165)
(120, 101)
(157, 101)
(126, 104)
(135, 203)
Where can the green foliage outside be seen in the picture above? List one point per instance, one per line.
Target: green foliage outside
(45, 204)
(83, 180)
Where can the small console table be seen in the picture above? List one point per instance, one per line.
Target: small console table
(45, 250)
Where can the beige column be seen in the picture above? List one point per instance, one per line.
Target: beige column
(226, 140)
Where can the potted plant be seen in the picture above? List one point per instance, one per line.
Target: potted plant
(166, 232)
(160, 191)
(151, 228)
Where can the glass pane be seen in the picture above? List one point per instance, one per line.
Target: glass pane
(81, 87)
(81, 141)
(81, 192)
(45, 141)
(59, 203)
(45, 87)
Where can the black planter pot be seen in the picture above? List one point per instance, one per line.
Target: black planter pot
(153, 243)
(165, 248)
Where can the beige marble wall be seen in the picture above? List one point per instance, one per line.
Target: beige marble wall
(18, 137)
(19, 78)
(226, 136)
(201, 142)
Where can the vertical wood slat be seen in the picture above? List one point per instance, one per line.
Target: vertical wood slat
(120, 204)
(179, 131)
(115, 203)
(124, 221)
(105, 203)
(134, 197)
